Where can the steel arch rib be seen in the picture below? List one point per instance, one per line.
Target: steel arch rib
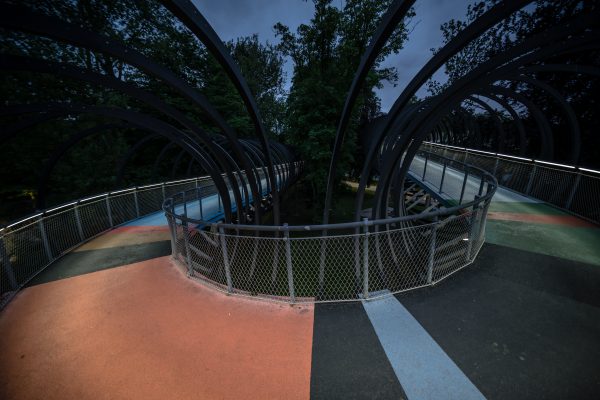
(125, 158)
(567, 109)
(43, 66)
(23, 19)
(59, 152)
(396, 12)
(139, 120)
(477, 77)
(187, 13)
(501, 134)
(514, 115)
(484, 22)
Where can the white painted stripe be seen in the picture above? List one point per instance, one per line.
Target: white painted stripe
(424, 370)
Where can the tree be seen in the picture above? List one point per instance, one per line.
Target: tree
(262, 67)
(326, 53)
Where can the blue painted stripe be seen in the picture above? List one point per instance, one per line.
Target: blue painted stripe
(424, 370)
(210, 211)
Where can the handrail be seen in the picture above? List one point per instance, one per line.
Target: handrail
(169, 208)
(569, 188)
(350, 265)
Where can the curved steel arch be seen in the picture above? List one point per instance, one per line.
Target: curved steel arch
(125, 158)
(495, 14)
(396, 12)
(514, 115)
(59, 152)
(139, 120)
(187, 13)
(160, 156)
(478, 76)
(566, 108)
(501, 133)
(541, 120)
(19, 18)
(30, 64)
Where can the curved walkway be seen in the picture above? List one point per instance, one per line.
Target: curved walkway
(116, 319)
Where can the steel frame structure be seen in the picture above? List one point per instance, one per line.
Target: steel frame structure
(239, 159)
(394, 146)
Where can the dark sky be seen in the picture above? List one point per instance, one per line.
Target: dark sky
(235, 18)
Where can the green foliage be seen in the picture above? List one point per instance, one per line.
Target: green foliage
(90, 167)
(326, 54)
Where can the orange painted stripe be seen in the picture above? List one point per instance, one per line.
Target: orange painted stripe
(567, 220)
(126, 237)
(134, 229)
(145, 331)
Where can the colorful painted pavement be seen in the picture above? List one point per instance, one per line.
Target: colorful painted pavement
(116, 319)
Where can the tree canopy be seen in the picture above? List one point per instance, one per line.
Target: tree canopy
(326, 53)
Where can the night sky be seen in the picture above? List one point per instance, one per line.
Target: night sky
(234, 18)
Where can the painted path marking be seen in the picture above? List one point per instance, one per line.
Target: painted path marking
(568, 220)
(424, 370)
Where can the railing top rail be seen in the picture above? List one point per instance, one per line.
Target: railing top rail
(168, 207)
(568, 168)
(97, 197)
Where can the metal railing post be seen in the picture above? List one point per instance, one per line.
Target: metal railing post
(199, 192)
(137, 205)
(464, 184)
(572, 194)
(186, 240)
(226, 260)
(481, 184)
(108, 210)
(45, 239)
(472, 224)
(172, 221)
(530, 182)
(443, 176)
(163, 191)
(7, 265)
(183, 196)
(365, 258)
(432, 244)
(496, 165)
(425, 166)
(78, 222)
(288, 261)
(219, 201)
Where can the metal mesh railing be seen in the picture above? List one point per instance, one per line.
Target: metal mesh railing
(570, 188)
(337, 262)
(30, 245)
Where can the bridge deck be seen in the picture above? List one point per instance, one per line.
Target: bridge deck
(115, 319)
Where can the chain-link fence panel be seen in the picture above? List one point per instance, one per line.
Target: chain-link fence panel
(333, 267)
(339, 262)
(30, 245)
(570, 188)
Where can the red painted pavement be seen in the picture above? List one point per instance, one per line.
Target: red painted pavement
(145, 331)
(541, 219)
